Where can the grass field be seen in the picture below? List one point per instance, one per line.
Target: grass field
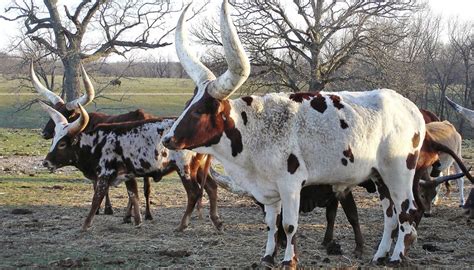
(167, 105)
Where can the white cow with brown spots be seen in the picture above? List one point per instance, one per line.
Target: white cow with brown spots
(272, 145)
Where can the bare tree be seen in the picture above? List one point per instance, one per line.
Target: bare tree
(302, 44)
(117, 26)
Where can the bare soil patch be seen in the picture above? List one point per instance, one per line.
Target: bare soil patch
(48, 234)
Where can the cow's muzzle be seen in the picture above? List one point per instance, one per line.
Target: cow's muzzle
(170, 143)
(49, 165)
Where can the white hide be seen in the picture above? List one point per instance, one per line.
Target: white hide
(136, 146)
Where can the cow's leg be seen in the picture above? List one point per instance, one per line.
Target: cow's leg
(460, 183)
(390, 221)
(331, 211)
(108, 210)
(132, 189)
(399, 180)
(290, 200)
(94, 184)
(350, 209)
(101, 189)
(272, 216)
(128, 213)
(147, 191)
(211, 190)
(193, 193)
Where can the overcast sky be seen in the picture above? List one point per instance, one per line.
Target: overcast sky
(463, 9)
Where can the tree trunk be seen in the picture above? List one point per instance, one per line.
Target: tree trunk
(316, 85)
(71, 81)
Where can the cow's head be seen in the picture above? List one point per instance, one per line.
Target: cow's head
(206, 117)
(62, 151)
(70, 110)
(428, 190)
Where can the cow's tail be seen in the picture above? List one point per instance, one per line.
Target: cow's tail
(203, 174)
(443, 148)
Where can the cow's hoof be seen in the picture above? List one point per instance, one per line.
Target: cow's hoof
(268, 261)
(290, 264)
(219, 226)
(395, 263)
(108, 211)
(358, 253)
(379, 261)
(127, 219)
(180, 228)
(427, 214)
(148, 217)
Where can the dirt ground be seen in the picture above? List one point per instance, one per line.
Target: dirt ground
(41, 219)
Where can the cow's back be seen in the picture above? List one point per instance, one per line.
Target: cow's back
(337, 137)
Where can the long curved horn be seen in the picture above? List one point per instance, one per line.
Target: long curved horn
(425, 183)
(57, 117)
(87, 97)
(238, 64)
(443, 179)
(41, 89)
(195, 69)
(80, 123)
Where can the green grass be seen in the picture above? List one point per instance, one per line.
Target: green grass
(22, 142)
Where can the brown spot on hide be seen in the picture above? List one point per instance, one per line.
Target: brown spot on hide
(344, 161)
(291, 228)
(232, 133)
(164, 154)
(408, 241)
(336, 100)
(244, 117)
(384, 193)
(145, 164)
(344, 125)
(416, 139)
(411, 160)
(248, 100)
(394, 232)
(319, 103)
(407, 215)
(348, 154)
(293, 164)
(299, 97)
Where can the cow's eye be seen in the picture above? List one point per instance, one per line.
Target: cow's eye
(62, 145)
(199, 112)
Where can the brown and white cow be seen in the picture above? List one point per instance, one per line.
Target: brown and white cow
(443, 133)
(118, 152)
(275, 144)
(70, 110)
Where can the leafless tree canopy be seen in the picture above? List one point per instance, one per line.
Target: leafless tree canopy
(303, 44)
(115, 26)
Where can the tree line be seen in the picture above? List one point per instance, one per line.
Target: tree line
(304, 45)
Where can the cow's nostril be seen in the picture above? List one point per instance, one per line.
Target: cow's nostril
(45, 163)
